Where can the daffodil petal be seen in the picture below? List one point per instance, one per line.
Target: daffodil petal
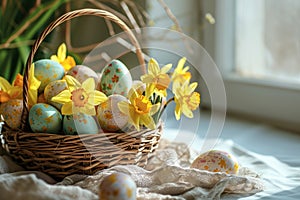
(67, 108)
(147, 78)
(88, 110)
(186, 111)
(88, 85)
(4, 85)
(54, 58)
(96, 97)
(63, 97)
(191, 87)
(149, 90)
(4, 97)
(181, 63)
(62, 52)
(166, 68)
(147, 121)
(124, 107)
(154, 108)
(32, 97)
(185, 69)
(177, 110)
(73, 84)
(133, 94)
(15, 92)
(34, 83)
(153, 67)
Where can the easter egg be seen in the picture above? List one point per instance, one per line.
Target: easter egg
(82, 72)
(115, 79)
(109, 116)
(53, 89)
(79, 124)
(216, 161)
(12, 112)
(117, 186)
(47, 71)
(44, 118)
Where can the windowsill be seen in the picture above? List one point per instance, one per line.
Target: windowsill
(258, 137)
(271, 83)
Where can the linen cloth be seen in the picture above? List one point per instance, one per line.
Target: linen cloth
(166, 176)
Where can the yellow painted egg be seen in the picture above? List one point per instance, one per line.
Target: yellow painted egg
(216, 161)
(12, 112)
(79, 124)
(46, 71)
(53, 89)
(82, 72)
(44, 118)
(115, 79)
(117, 186)
(109, 116)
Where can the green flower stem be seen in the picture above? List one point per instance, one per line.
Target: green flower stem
(163, 109)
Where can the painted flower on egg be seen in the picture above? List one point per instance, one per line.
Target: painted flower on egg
(79, 98)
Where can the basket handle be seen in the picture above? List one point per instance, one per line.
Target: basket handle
(57, 22)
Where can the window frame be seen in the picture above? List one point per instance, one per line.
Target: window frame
(263, 100)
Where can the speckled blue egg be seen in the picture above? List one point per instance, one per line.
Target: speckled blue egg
(44, 118)
(115, 79)
(79, 124)
(117, 186)
(47, 71)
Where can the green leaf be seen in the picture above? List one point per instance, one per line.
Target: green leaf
(43, 19)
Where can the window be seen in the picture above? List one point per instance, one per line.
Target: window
(257, 48)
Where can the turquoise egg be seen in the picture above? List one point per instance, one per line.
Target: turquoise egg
(115, 79)
(44, 118)
(79, 124)
(47, 71)
(117, 186)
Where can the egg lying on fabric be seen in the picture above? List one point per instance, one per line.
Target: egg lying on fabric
(82, 72)
(115, 79)
(53, 89)
(12, 112)
(79, 124)
(117, 186)
(47, 71)
(109, 116)
(44, 118)
(216, 161)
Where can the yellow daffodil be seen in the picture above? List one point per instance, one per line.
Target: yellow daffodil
(66, 61)
(79, 97)
(34, 85)
(8, 91)
(157, 79)
(181, 73)
(139, 109)
(185, 98)
(15, 91)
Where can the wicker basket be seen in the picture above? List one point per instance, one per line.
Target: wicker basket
(62, 155)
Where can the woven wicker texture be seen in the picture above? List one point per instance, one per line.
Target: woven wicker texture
(62, 155)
